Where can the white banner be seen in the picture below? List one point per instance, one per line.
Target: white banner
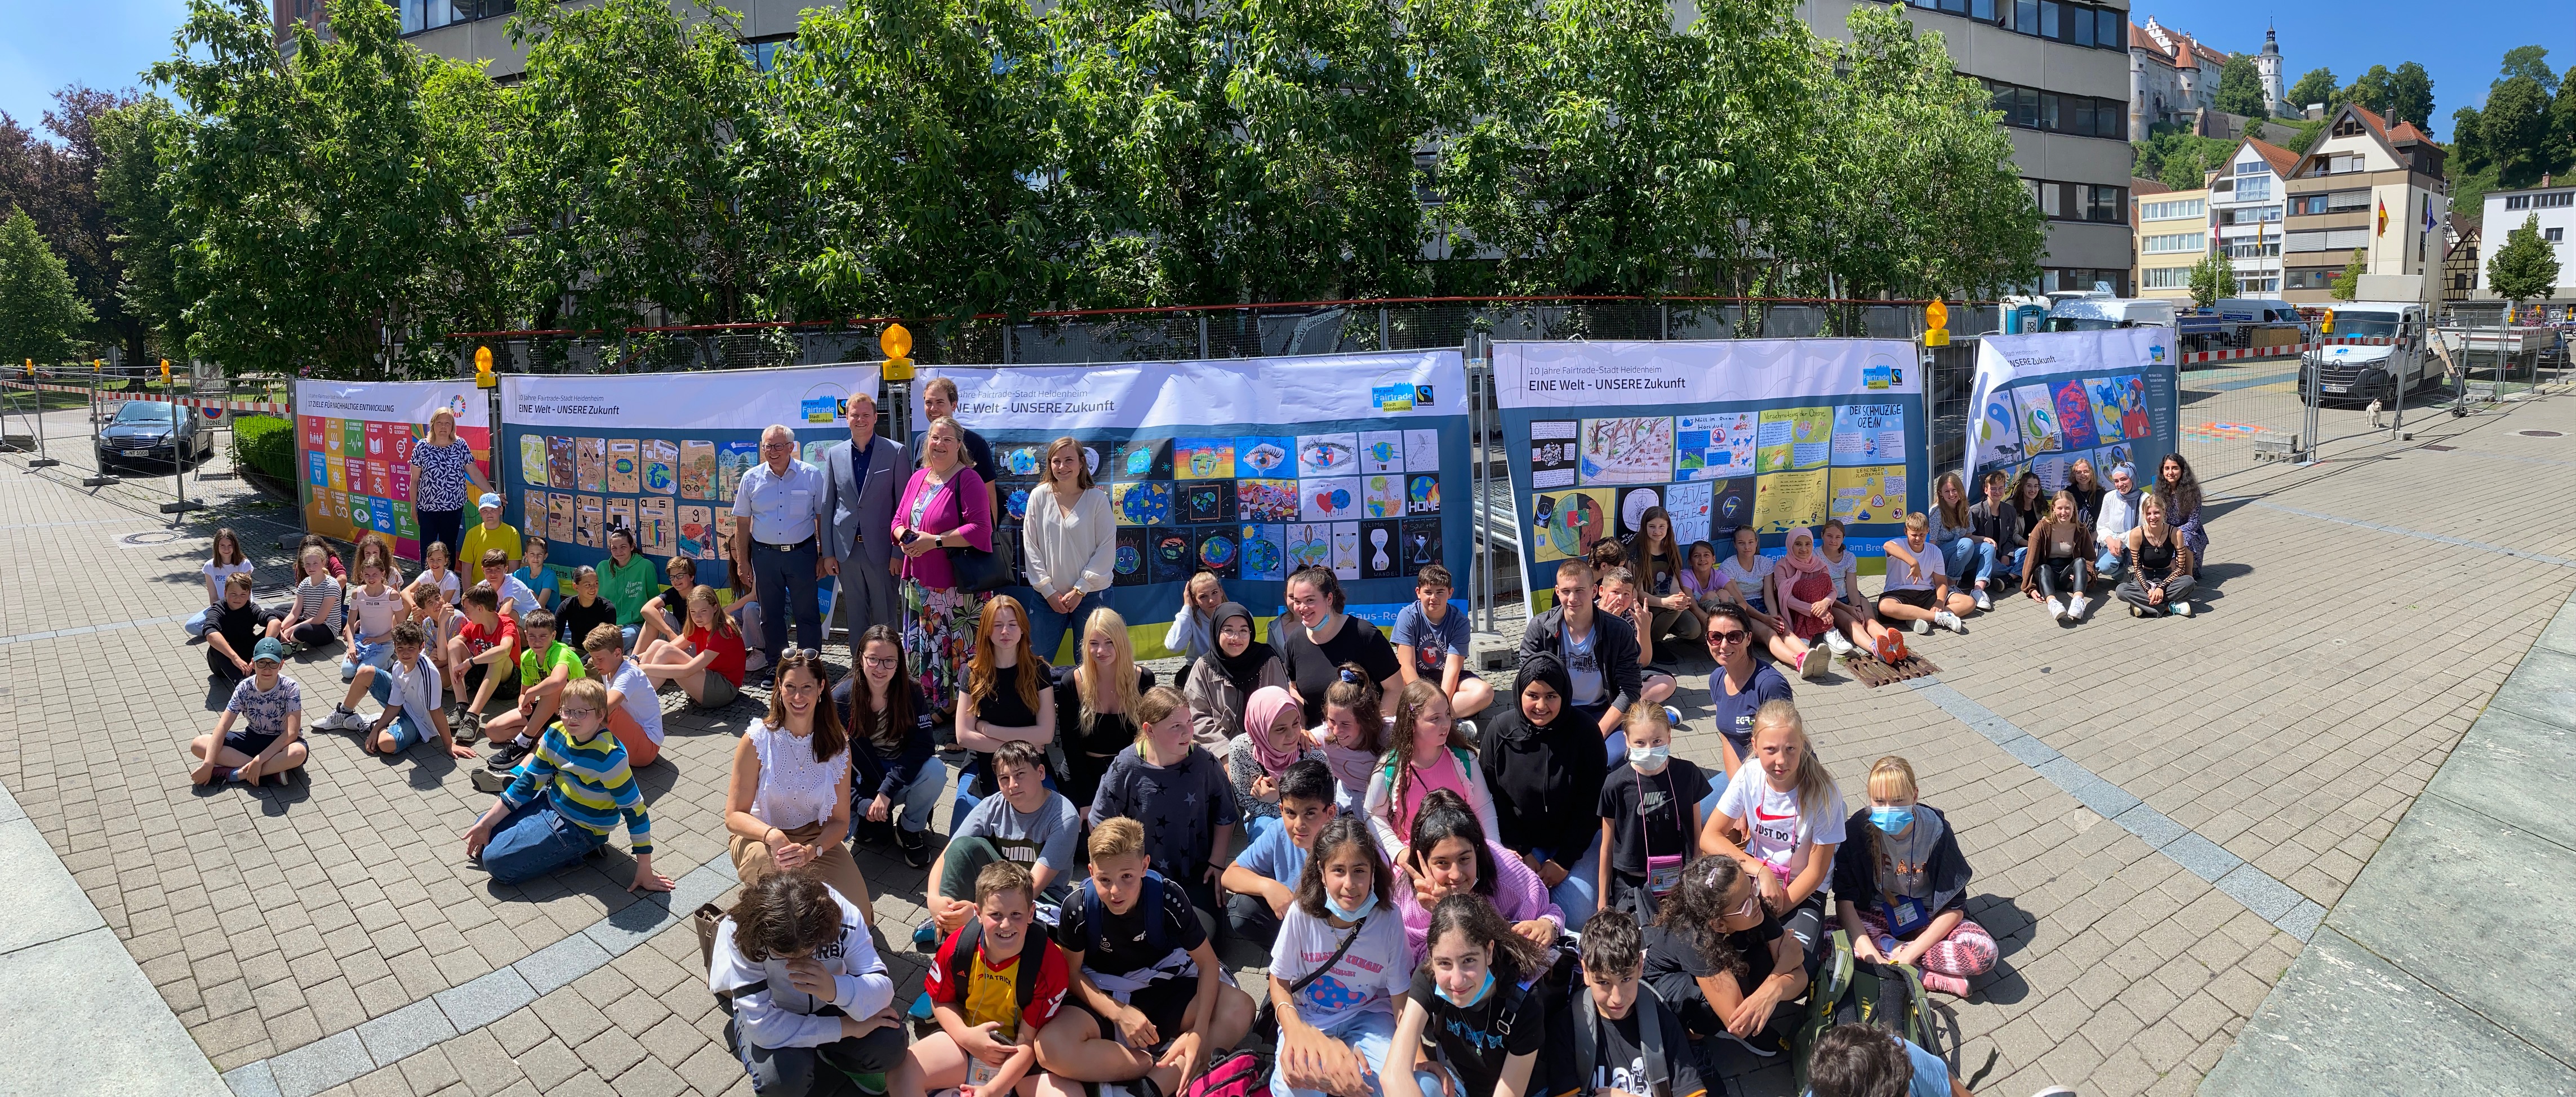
(1145, 395)
(2040, 402)
(676, 403)
(393, 401)
(1653, 374)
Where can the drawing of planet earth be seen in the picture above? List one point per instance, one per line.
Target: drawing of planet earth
(1129, 560)
(1335, 501)
(1018, 502)
(1260, 557)
(1147, 504)
(1578, 521)
(657, 477)
(1024, 461)
(1216, 552)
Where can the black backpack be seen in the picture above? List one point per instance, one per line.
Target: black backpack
(1650, 1039)
(970, 937)
(1150, 902)
(1848, 991)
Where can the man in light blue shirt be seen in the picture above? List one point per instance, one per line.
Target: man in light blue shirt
(778, 512)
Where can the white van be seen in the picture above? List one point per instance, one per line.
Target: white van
(2104, 313)
(2348, 372)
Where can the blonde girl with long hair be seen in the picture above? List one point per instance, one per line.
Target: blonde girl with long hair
(1095, 706)
(1900, 885)
(1782, 817)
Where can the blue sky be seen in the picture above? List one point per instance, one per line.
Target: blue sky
(106, 43)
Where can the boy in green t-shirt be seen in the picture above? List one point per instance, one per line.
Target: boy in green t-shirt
(543, 672)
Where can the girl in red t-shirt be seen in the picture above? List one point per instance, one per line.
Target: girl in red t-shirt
(706, 661)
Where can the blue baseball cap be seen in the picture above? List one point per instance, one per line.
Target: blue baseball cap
(270, 650)
(489, 500)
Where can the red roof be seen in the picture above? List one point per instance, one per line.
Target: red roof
(2406, 132)
(2281, 159)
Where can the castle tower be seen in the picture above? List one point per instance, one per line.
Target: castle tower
(2267, 64)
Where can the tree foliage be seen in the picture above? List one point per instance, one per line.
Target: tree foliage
(40, 309)
(2530, 61)
(2318, 86)
(2347, 285)
(138, 145)
(2179, 159)
(2526, 267)
(2240, 87)
(2212, 278)
(2410, 95)
(327, 194)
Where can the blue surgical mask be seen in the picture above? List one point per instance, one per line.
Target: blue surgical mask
(1650, 759)
(1351, 914)
(1472, 999)
(1891, 820)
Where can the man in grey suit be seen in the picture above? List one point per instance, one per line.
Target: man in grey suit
(862, 481)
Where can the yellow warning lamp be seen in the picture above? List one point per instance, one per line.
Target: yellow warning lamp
(483, 378)
(2328, 329)
(897, 344)
(1936, 324)
(165, 373)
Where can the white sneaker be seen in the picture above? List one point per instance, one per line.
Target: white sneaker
(1837, 643)
(1983, 602)
(1951, 621)
(1923, 627)
(341, 719)
(1814, 665)
(2183, 608)
(2056, 609)
(2076, 606)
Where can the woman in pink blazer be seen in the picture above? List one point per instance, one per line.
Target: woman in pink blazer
(945, 506)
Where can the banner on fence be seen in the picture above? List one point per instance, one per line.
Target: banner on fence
(657, 454)
(353, 442)
(1767, 433)
(2041, 402)
(1248, 468)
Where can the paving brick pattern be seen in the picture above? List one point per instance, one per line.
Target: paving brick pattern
(2292, 724)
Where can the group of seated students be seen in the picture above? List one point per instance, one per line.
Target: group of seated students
(1392, 854)
(2146, 542)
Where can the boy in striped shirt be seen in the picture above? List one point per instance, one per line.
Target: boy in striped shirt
(577, 773)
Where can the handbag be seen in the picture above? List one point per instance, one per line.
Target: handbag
(1265, 1017)
(976, 571)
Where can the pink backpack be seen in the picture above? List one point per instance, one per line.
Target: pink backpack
(1242, 1074)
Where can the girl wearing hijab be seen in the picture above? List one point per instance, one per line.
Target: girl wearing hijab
(1802, 589)
(1544, 765)
(1900, 886)
(1273, 739)
(1222, 680)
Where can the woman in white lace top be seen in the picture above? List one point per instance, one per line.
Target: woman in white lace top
(789, 801)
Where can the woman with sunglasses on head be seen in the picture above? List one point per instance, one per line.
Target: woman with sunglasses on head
(787, 805)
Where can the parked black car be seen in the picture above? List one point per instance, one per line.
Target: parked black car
(141, 435)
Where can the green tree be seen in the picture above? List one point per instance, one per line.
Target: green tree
(2468, 149)
(640, 169)
(138, 145)
(919, 132)
(2373, 90)
(2240, 88)
(2318, 86)
(2526, 267)
(2212, 278)
(2348, 283)
(2411, 95)
(2530, 61)
(2514, 131)
(328, 192)
(41, 312)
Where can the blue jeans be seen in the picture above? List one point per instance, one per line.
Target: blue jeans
(536, 840)
(1581, 889)
(786, 578)
(913, 805)
(2110, 567)
(1047, 627)
(1369, 1032)
(1969, 560)
(197, 623)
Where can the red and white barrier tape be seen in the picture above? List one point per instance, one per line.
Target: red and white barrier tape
(215, 407)
(2198, 356)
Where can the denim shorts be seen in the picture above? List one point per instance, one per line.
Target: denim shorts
(407, 732)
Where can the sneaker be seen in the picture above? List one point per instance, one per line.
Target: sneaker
(468, 728)
(2136, 612)
(2182, 608)
(1983, 602)
(1924, 628)
(2056, 609)
(485, 780)
(342, 719)
(1812, 667)
(1837, 643)
(2076, 606)
(506, 757)
(915, 846)
(925, 938)
(755, 662)
(1949, 620)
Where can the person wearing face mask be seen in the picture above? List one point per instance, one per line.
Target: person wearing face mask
(1473, 1009)
(2112, 523)
(1649, 817)
(1900, 886)
(1544, 763)
(1339, 966)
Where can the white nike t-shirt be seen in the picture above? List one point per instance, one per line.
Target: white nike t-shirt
(1782, 831)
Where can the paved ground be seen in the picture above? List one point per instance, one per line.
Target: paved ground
(2158, 811)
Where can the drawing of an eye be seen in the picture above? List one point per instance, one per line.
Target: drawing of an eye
(1326, 454)
(1264, 457)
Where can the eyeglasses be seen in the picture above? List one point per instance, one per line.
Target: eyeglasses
(579, 713)
(1746, 908)
(881, 662)
(1736, 637)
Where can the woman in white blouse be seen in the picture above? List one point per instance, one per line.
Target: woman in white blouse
(789, 800)
(1069, 545)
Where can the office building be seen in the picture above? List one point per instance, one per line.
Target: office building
(2365, 187)
(2173, 234)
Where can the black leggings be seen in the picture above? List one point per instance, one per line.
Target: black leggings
(2057, 576)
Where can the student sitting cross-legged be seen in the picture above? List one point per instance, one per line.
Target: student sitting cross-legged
(1719, 958)
(232, 630)
(270, 706)
(406, 685)
(797, 969)
(1900, 885)
(545, 668)
(997, 981)
(1024, 822)
(1475, 1018)
(1153, 1000)
(1263, 882)
(1338, 968)
(563, 800)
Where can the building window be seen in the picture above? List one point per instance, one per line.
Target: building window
(2348, 200)
(2165, 278)
(2554, 200)
(421, 15)
(2250, 284)
(2079, 201)
(2553, 235)
(764, 56)
(2250, 167)
(2254, 188)
(2169, 243)
(2302, 205)
(2315, 278)
(2174, 210)
(2254, 251)
(2050, 112)
(2083, 279)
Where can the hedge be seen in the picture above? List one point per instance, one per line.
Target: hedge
(265, 444)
